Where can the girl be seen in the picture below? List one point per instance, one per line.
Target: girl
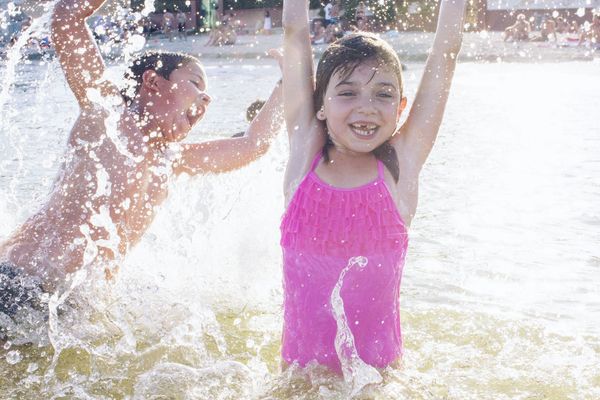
(351, 182)
(267, 23)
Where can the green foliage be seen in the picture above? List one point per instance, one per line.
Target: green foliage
(171, 5)
(164, 5)
(246, 4)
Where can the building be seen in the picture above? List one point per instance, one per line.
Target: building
(498, 14)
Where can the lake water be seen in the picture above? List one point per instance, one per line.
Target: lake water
(501, 288)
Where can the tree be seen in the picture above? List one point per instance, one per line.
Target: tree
(164, 5)
(246, 4)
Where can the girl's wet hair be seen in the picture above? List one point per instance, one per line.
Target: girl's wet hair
(161, 62)
(343, 56)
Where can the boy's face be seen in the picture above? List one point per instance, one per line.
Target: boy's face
(179, 102)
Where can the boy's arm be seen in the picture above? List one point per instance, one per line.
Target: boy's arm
(225, 155)
(417, 136)
(77, 52)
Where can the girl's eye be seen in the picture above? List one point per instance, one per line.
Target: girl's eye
(346, 93)
(384, 95)
(196, 84)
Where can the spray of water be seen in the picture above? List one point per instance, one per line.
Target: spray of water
(14, 54)
(356, 372)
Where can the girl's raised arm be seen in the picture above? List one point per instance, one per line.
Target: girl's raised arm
(304, 130)
(298, 73)
(418, 134)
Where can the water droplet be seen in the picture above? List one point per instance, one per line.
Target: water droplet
(136, 43)
(32, 367)
(13, 357)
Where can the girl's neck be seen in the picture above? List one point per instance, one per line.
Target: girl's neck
(348, 157)
(347, 169)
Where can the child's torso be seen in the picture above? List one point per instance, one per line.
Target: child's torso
(323, 227)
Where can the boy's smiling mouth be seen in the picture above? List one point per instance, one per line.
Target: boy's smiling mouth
(194, 114)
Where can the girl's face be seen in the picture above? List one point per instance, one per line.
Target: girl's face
(362, 110)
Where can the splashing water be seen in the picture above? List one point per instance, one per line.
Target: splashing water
(14, 54)
(195, 312)
(356, 371)
(148, 7)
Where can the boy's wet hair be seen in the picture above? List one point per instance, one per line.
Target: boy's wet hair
(253, 109)
(344, 56)
(161, 62)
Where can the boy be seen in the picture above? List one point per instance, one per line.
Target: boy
(114, 180)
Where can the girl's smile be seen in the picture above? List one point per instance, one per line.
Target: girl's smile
(362, 109)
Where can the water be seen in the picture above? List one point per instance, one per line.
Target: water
(356, 372)
(500, 296)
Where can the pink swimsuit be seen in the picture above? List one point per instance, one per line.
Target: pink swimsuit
(322, 229)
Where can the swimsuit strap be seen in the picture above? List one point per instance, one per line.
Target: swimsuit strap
(316, 160)
(380, 165)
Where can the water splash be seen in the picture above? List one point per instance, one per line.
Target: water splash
(148, 7)
(57, 340)
(356, 371)
(14, 55)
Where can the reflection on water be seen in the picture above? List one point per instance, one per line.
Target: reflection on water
(500, 292)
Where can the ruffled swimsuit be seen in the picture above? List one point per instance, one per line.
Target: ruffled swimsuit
(322, 229)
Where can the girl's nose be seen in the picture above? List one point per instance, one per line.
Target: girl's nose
(366, 106)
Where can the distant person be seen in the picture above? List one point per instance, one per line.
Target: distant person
(591, 33)
(336, 12)
(361, 24)
(251, 113)
(561, 25)
(110, 188)
(361, 10)
(574, 27)
(360, 17)
(547, 31)
(327, 10)
(519, 31)
(222, 35)
(333, 32)
(168, 23)
(181, 20)
(318, 34)
(267, 23)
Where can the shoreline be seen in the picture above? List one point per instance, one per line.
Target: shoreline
(484, 47)
(411, 47)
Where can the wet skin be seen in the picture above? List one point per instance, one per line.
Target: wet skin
(113, 181)
(99, 181)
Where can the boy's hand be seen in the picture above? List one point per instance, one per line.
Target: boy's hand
(278, 56)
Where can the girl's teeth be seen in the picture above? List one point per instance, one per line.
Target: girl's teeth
(363, 130)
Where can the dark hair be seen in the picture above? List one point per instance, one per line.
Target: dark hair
(343, 56)
(253, 109)
(161, 62)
